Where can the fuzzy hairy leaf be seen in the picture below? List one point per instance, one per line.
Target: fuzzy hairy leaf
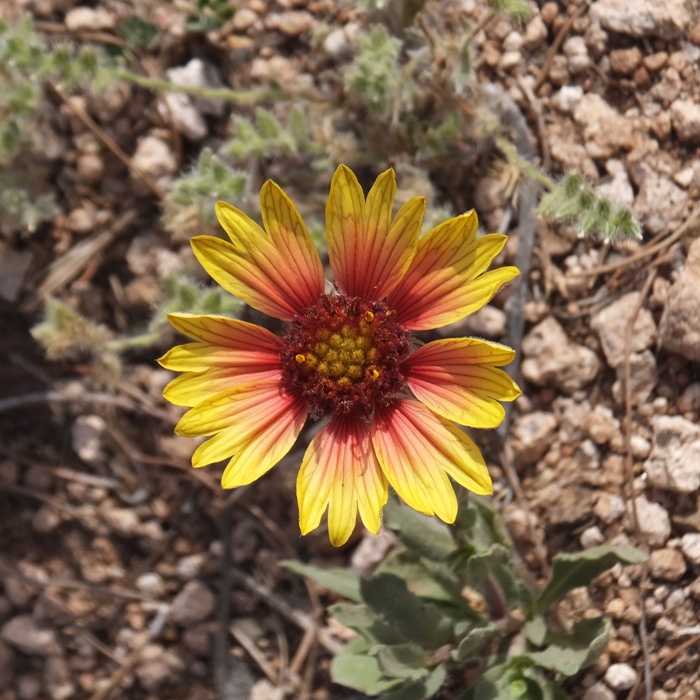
(569, 653)
(413, 618)
(341, 581)
(427, 537)
(475, 640)
(571, 570)
(354, 668)
(422, 689)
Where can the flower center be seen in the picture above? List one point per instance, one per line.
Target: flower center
(344, 355)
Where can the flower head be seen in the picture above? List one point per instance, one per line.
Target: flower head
(347, 357)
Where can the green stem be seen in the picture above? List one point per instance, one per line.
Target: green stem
(226, 94)
(524, 165)
(145, 340)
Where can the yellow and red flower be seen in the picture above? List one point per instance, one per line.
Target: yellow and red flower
(348, 356)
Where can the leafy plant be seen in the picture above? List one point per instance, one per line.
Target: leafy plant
(188, 207)
(447, 598)
(210, 15)
(267, 136)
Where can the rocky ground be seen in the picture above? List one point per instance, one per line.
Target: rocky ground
(117, 559)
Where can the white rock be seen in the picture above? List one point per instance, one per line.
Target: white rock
(567, 97)
(661, 18)
(532, 435)
(598, 691)
(654, 522)
(685, 117)
(487, 322)
(158, 667)
(605, 131)
(575, 49)
(551, 358)
(660, 204)
(283, 71)
(666, 564)
(620, 676)
(684, 178)
(601, 425)
(123, 521)
(513, 42)
(25, 634)
(611, 323)
(680, 322)
(187, 120)
(264, 690)
(591, 537)
(95, 19)
(193, 604)
(644, 375)
(190, 566)
(690, 546)
(535, 33)
(510, 59)
(86, 438)
(291, 23)
(674, 463)
(197, 73)
(690, 398)
(243, 19)
(641, 447)
(151, 583)
(154, 157)
(609, 507)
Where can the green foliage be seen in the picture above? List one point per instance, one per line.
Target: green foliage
(210, 15)
(573, 201)
(138, 33)
(514, 9)
(184, 295)
(66, 333)
(19, 211)
(189, 204)
(266, 136)
(375, 75)
(454, 596)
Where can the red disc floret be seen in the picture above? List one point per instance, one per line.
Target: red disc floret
(343, 355)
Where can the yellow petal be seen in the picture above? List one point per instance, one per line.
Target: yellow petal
(200, 357)
(259, 274)
(229, 332)
(246, 406)
(340, 472)
(416, 449)
(456, 379)
(368, 252)
(446, 279)
(192, 388)
(290, 236)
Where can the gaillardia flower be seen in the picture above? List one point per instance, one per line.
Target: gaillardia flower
(348, 357)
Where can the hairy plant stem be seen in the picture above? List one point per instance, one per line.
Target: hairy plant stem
(144, 340)
(226, 94)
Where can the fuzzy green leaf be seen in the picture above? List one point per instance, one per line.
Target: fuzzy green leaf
(355, 669)
(413, 618)
(475, 640)
(407, 661)
(427, 537)
(571, 570)
(420, 690)
(569, 653)
(339, 580)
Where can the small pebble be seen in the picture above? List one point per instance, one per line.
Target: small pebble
(620, 677)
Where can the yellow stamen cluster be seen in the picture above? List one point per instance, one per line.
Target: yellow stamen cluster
(345, 356)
